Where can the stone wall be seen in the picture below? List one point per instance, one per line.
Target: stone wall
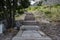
(52, 30)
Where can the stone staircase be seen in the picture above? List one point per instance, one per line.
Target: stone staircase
(30, 31)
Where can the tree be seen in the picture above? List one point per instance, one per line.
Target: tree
(40, 3)
(1, 9)
(25, 3)
(11, 6)
(8, 10)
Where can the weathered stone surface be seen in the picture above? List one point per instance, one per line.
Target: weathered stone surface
(19, 34)
(31, 35)
(30, 27)
(29, 16)
(29, 22)
(52, 30)
(19, 38)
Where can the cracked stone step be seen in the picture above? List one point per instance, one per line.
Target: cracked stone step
(31, 35)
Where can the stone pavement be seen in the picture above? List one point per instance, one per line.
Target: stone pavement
(30, 31)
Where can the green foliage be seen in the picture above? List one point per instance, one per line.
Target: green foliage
(47, 12)
(21, 11)
(32, 8)
(51, 12)
(45, 0)
(21, 8)
(1, 15)
(40, 3)
(25, 3)
(11, 9)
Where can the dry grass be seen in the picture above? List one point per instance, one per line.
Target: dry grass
(20, 17)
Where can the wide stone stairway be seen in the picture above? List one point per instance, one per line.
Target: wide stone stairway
(30, 31)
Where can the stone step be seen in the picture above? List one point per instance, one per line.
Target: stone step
(29, 27)
(29, 22)
(23, 38)
(31, 35)
(29, 14)
(19, 34)
(29, 17)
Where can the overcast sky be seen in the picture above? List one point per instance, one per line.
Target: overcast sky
(32, 2)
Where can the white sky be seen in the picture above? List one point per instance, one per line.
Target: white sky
(32, 2)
